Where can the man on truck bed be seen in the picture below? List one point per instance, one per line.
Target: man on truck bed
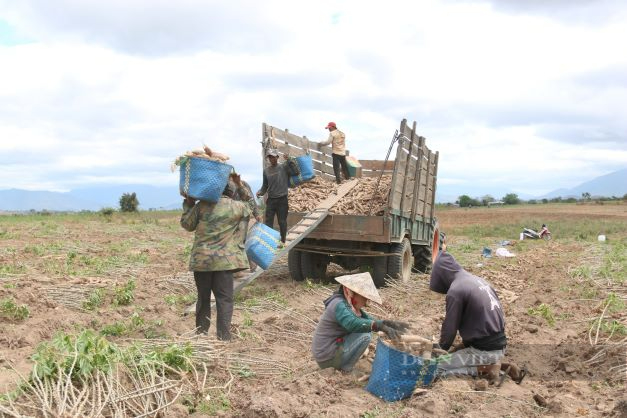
(275, 183)
(473, 309)
(337, 139)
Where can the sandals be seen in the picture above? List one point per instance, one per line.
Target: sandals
(523, 373)
(503, 376)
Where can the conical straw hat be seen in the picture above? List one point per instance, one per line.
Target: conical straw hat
(362, 284)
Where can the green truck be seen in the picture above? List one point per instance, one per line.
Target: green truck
(405, 236)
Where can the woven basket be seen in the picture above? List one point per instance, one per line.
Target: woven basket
(262, 244)
(203, 179)
(353, 165)
(305, 166)
(395, 374)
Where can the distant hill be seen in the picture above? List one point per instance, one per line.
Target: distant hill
(612, 184)
(149, 196)
(24, 200)
(167, 197)
(94, 198)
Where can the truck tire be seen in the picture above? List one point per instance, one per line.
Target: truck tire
(422, 259)
(380, 267)
(400, 262)
(314, 266)
(424, 255)
(294, 265)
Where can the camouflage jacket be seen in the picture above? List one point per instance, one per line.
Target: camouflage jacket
(218, 242)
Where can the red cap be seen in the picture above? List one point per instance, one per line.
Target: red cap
(331, 125)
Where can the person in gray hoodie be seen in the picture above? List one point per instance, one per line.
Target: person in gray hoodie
(474, 310)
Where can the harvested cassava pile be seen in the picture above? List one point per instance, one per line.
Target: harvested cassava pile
(357, 202)
(413, 344)
(210, 155)
(206, 153)
(306, 197)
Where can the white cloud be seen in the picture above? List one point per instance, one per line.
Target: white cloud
(115, 91)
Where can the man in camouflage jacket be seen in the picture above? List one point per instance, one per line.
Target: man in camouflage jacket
(217, 252)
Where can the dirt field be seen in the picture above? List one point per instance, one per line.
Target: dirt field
(564, 301)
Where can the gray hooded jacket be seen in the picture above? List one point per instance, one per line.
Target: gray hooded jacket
(472, 307)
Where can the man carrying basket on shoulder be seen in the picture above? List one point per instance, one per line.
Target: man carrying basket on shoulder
(217, 252)
(275, 184)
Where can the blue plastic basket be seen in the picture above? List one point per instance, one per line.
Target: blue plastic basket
(305, 165)
(262, 244)
(395, 374)
(203, 179)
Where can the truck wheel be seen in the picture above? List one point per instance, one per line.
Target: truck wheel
(314, 266)
(399, 264)
(424, 255)
(422, 259)
(294, 265)
(380, 267)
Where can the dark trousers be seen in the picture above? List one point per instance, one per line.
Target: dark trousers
(277, 206)
(340, 161)
(221, 284)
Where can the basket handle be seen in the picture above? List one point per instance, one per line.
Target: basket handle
(307, 146)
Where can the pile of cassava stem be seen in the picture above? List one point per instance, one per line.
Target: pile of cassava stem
(307, 196)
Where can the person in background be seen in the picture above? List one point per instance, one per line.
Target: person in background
(250, 199)
(474, 309)
(337, 139)
(344, 329)
(275, 184)
(217, 252)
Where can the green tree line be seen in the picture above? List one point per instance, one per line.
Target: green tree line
(466, 201)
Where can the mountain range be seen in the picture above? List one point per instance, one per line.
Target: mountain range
(612, 184)
(94, 198)
(167, 197)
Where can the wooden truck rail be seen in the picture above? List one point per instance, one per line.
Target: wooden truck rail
(411, 202)
(286, 143)
(408, 224)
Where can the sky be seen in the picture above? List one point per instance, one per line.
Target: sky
(525, 95)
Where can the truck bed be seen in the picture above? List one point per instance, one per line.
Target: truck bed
(347, 227)
(410, 204)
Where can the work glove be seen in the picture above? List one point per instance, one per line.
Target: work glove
(397, 325)
(392, 333)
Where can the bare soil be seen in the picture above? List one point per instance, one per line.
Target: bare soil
(275, 317)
